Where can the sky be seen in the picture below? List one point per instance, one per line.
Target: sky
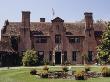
(69, 10)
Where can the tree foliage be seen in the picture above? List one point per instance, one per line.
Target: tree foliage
(104, 48)
(30, 58)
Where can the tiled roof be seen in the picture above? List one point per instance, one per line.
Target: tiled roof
(77, 29)
(99, 26)
(41, 26)
(13, 28)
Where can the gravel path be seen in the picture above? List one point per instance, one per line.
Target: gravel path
(20, 67)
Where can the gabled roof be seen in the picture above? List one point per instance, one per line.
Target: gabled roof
(77, 29)
(57, 19)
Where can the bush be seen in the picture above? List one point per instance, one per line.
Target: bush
(44, 75)
(105, 72)
(30, 58)
(33, 72)
(65, 69)
(45, 68)
(87, 69)
(79, 75)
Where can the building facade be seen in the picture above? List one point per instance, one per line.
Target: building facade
(56, 41)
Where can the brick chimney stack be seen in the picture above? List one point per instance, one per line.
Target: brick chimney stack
(25, 40)
(26, 19)
(88, 19)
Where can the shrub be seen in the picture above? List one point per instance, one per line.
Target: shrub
(30, 58)
(44, 75)
(33, 72)
(79, 75)
(87, 69)
(45, 68)
(65, 69)
(105, 72)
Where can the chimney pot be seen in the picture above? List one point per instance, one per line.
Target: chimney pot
(88, 13)
(42, 19)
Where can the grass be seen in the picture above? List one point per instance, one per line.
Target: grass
(23, 75)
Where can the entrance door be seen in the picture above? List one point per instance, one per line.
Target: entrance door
(57, 57)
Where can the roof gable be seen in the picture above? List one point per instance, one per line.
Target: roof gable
(77, 29)
(57, 19)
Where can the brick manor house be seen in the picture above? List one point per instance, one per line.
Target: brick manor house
(55, 41)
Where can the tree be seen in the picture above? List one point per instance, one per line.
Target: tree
(30, 58)
(104, 48)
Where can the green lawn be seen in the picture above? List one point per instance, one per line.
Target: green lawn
(23, 75)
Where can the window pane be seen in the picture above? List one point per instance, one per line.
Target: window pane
(74, 39)
(57, 38)
(41, 40)
(90, 56)
(40, 55)
(77, 39)
(74, 55)
(37, 40)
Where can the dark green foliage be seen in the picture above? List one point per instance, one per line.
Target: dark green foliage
(10, 59)
(30, 58)
(87, 69)
(33, 72)
(45, 75)
(79, 75)
(105, 72)
(104, 48)
(65, 69)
